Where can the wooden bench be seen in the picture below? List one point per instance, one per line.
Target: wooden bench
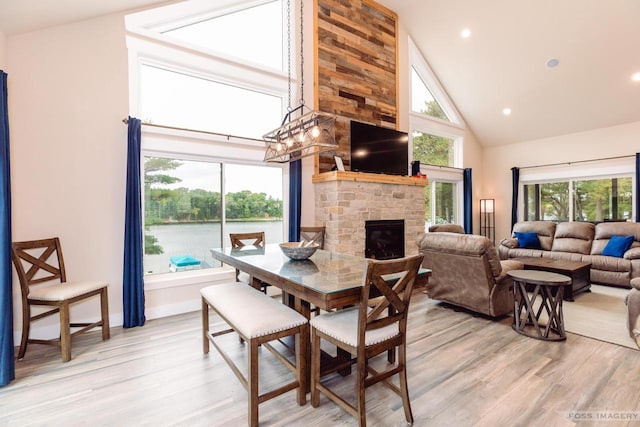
(257, 319)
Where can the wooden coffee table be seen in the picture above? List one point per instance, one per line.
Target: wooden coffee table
(578, 272)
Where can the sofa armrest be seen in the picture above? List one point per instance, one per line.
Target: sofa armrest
(507, 266)
(633, 253)
(505, 246)
(511, 243)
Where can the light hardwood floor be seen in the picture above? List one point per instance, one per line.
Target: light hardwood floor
(463, 370)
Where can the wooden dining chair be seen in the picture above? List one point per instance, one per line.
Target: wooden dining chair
(240, 240)
(313, 234)
(308, 234)
(41, 261)
(378, 324)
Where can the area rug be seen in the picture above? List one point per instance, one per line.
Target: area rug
(600, 314)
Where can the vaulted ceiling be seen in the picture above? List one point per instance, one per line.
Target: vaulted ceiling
(502, 64)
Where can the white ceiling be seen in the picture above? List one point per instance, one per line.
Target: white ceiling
(19, 16)
(501, 65)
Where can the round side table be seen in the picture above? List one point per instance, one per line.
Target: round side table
(549, 288)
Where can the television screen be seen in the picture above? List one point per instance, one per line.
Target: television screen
(376, 149)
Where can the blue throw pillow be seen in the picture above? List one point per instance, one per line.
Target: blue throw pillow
(527, 240)
(617, 246)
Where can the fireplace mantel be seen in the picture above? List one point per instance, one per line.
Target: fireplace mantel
(368, 177)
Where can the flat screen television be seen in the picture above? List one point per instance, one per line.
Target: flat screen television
(375, 149)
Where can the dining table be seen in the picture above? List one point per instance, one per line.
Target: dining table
(327, 280)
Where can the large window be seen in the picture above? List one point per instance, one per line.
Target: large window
(441, 203)
(178, 99)
(227, 32)
(184, 209)
(210, 90)
(433, 150)
(594, 200)
(437, 131)
(593, 191)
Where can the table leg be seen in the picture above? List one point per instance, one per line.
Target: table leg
(304, 308)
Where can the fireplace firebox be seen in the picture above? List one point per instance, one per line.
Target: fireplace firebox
(384, 239)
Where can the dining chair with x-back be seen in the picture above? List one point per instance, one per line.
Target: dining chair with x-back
(38, 264)
(376, 325)
(313, 234)
(241, 240)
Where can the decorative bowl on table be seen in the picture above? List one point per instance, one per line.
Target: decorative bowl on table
(297, 251)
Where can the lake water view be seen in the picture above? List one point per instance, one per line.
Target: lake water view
(196, 240)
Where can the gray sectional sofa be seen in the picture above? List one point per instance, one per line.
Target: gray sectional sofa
(581, 241)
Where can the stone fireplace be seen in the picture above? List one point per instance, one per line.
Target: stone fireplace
(346, 200)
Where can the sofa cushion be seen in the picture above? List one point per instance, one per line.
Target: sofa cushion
(528, 240)
(575, 237)
(605, 230)
(605, 263)
(544, 229)
(617, 246)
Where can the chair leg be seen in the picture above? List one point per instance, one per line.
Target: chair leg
(404, 389)
(104, 308)
(315, 368)
(26, 325)
(65, 332)
(362, 376)
(205, 326)
(302, 342)
(253, 390)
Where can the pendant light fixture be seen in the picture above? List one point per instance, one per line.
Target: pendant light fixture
(303, 131)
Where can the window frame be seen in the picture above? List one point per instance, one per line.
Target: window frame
(453, 129)
(445, 174)
(147, 47)
(579, 171)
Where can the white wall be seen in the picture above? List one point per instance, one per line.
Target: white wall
(3, 56)
(596, 144)
(68, 148)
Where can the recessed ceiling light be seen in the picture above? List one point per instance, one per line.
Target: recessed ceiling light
(466, 33)
(553, 62)
(636, 77)
(506, 111)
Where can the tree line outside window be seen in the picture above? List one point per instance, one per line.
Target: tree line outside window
(592, 200)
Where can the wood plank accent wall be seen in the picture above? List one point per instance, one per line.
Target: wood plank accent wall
(356, 68)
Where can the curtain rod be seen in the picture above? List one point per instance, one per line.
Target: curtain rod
(442, 167)
(578, 161)
(126, 121)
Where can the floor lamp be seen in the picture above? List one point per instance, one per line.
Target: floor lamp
(488, 219)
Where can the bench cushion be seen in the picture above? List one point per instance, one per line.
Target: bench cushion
(250, 312)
